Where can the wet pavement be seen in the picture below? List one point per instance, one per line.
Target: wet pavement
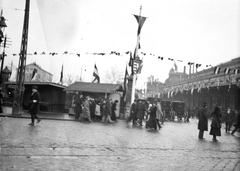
(60, 145)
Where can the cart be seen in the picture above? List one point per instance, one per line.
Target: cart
(178, 108)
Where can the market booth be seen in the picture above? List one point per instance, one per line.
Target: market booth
(94, 90)
(52, 96)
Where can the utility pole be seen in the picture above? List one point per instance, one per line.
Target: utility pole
(19, 89)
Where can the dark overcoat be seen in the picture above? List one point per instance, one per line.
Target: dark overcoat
(202, 119)
(140, 110)
(216, 119)
(35, 106)
(133, 112)
(78, 105)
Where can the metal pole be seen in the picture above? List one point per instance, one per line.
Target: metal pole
(19, 89)
(134, 75)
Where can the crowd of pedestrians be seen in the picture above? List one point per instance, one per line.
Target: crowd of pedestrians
(151, 112)
(90, 109)
(231, 118)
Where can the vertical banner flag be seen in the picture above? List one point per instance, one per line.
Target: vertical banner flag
(140, 19)
(34, 74)
(61, 75)
(96, 75)
(125, 84)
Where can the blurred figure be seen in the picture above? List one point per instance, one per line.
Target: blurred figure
(216, 116)
(133, 113)
(34, 109)
(202, 121)
(236, 122)
(113, 108)
(107, 111)
(229, 118)
(78, 106)
(86, 110)
(140, 112)
(98, 112)
(92, 107)
(159, 114)
(151, 117)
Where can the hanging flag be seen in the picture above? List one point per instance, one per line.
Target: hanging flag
(34, 74)
(61, 75)
(125, 84)
(130, 63)
(96, 75)
(140, 19)
(217, 70)
(236, 71)
(227, 70)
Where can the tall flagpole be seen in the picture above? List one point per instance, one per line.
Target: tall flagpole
(134, 75)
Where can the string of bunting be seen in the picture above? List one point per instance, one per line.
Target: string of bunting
(216, 69)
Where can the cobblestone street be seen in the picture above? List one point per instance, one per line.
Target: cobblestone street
(69, 145)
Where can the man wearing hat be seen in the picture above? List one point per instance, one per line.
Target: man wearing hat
(35, 99)
(202, 121)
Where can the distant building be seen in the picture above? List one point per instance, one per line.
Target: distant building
(219, 84)
(34, 73)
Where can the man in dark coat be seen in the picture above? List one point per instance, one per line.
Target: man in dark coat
(229, 118)
(202, 121)
(140, 112)
(78, 106)
(114, 108)
(133, 113)
(35, 99)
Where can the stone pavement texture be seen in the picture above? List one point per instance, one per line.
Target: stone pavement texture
(54, 145)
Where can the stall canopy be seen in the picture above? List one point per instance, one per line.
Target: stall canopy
(94, 87)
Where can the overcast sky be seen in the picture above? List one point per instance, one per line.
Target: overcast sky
(201, 31)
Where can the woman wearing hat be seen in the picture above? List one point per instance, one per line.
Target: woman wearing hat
(216, 116)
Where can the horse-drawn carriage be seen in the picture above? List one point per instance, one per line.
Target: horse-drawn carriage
(171, 109)
(178, 108)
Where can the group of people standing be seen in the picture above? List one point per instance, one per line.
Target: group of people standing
(152, 112)
(87, 108)
(231, 118)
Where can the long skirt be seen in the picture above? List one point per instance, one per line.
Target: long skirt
(151, 123)
(215, 131)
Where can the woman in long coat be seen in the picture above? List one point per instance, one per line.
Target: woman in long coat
(216, 123)
(151, 121)
(202, 121)
(86, 111)
(159, 114)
